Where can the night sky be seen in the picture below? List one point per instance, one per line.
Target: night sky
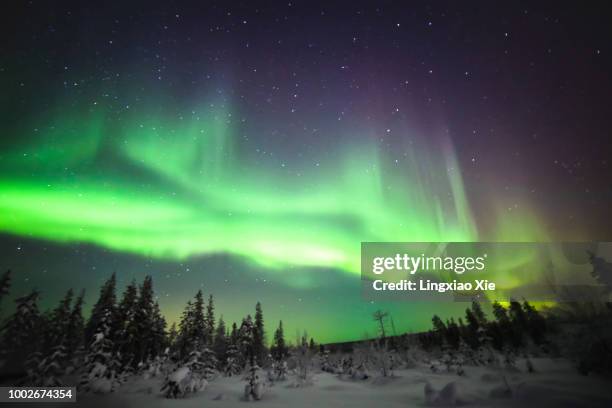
(248, 150)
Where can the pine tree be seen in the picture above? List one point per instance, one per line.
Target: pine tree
(233, 364)
(536, 324)
(21, 337)
(233, 361)
(102, 372)
(183, 340)
(76, 327)
(245, 341)
(104, 305)
(198, 324)
(472, 329)
(220, 342)
(478, 313)
(519, 323)
(192, 327)
(209, 322)
(259, 346)
(144, 317)
(279, 347)
(59, 322)
(452, 334)
(126, 326)
(502, 329)
(49, 371)
(439, 329)
(158, 340)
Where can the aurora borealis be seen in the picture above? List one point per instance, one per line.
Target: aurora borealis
(250, 150)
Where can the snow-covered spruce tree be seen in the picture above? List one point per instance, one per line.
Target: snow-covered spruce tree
(181, 382)
(278, 371)
(202, 362)
(145, 324)
(209, 323)
(197, 361)
(58, 324)
(48, 371)
(191, 327)
(279, 348)
(259, 336)
(220, 344)
(193, 375)
(125, 327)
(245, 337)
(21, 336)
(233, 361)
(159, 341)
(104, 305)
(46, 367)
(74, 334)
(102, 373)
(233, 365)
(255, 385)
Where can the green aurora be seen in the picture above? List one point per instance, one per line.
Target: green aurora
(198, 197)
(175, 188)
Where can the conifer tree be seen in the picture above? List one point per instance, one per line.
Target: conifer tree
(102, 373)
(76, 326)
(452, 336)
(198, 322)
(519, 323)
(472, 329)
(126, 326)
(220, 342)
(279, 347)
(502, 329)
(478, 313)
(158, 339)
(183, 341)
(59, 322)
(48, 371)
(192, 327)
(104, 305)
(209, 322)
(245, 339)
(536, 324)
(259, 346)
(439, 329)
(144, 317)
(233, 365)
(21, 337)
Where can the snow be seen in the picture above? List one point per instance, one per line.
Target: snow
(555, 383)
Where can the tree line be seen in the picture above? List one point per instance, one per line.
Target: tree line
(512, 327)
(124, 335)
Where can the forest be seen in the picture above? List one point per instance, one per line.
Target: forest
(125, 338)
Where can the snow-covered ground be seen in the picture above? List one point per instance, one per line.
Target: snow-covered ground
(555, 383)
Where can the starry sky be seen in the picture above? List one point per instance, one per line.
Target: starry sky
(248, 149)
